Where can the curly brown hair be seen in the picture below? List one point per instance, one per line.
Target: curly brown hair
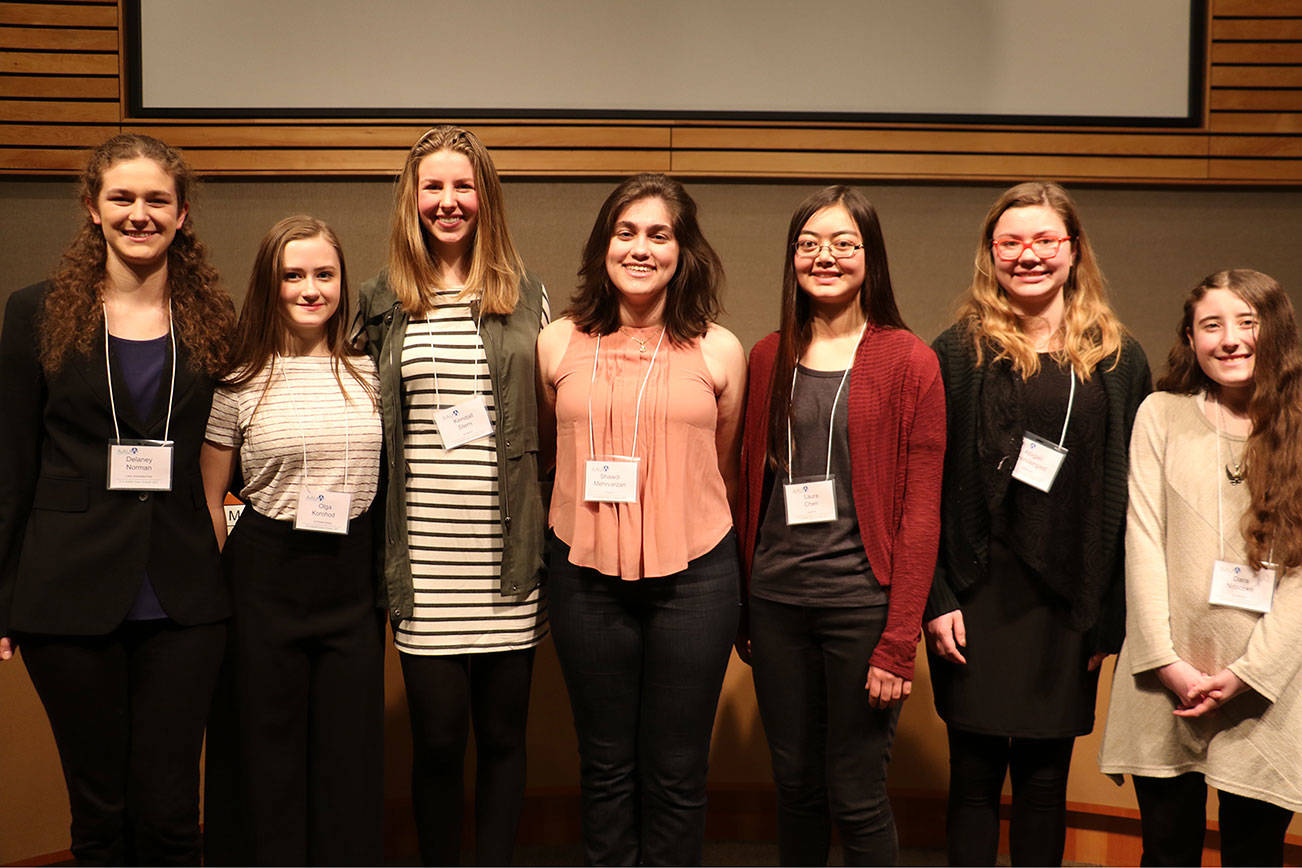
(1273, 458)
(72, 319)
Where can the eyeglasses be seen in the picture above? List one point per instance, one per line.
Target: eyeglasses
(1010, 249)
(841, 248)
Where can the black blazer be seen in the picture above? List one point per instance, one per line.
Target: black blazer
(72, 553)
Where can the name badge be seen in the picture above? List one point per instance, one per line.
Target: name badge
(1039, 462)
(464, 422)
(810, 501)
(322, 511)
(1242, 587)
(610, 480)
(140, 465)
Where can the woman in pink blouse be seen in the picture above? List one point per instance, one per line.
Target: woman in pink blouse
(645, 392)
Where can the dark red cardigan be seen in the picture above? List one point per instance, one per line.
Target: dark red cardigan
(897, 451)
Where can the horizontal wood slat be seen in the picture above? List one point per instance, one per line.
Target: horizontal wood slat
(387, 162)
(1257, 29)
(33, 111)
(1257, 76)
(58, 39)
(353, 136)
(1257, 170)
(1257, 52)
(1255, 8)
(58, 87)
(51, 63)
(1257, 146)
(54, 135)
(951, 141)
(1257, 100)
(1257, 122)
(59, 14)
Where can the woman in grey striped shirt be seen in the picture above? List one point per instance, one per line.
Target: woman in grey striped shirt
(295, 747)
(451, 324)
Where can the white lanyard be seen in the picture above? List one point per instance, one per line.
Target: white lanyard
(108, 372)
(827, 471)
(1071, 399)
(289, 388)
(1237, 585)
(637, 413)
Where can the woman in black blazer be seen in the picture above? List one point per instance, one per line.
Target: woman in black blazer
(109, 578)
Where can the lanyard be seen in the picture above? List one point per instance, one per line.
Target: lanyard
(637, 413)
(108, 372)
(827, 472)
(1220, 467)
(1071, 399)
(433, 356)
(289, 388)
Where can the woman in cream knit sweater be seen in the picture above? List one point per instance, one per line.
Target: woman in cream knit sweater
(1207, 688)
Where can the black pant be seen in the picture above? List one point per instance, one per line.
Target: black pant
(1038, 826)
(830, 748)
(295, 747)
(1173, 817)
(128, 712)
(644, 663)
(445, 693)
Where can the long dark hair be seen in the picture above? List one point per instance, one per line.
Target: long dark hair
(876, 300)
(692, 297)
(1273, 457)
(72, 320)
(261, 332)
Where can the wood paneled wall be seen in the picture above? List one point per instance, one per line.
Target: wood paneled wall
(62, 90)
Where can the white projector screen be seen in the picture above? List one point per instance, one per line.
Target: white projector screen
(1092, 61)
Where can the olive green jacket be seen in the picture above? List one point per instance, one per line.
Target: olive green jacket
(509, 343)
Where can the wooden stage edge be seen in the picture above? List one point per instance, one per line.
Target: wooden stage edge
(1096, 834)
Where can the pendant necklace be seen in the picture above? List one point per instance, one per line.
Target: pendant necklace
(1234, 471)
(641, 342)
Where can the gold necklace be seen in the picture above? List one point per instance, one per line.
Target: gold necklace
(1234, 471)
(641, 342)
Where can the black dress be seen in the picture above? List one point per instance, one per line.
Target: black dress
(1026, 673)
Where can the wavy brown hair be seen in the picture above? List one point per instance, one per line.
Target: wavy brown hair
(1091, 332)
(72, 320)
(1272, 525)
(876, 300)
(495, 266)
(261, 333)
(692, 296)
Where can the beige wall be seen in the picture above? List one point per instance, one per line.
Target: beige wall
(1153, 245)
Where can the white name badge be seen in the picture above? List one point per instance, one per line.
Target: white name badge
(140, 465)
(322, 511)
(1039, 462)
(464, 422)
(810, 501)
(610, 480)
(1242, 587)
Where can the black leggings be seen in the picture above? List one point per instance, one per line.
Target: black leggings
(444, 693)
(1038, 828)
(1173, 816)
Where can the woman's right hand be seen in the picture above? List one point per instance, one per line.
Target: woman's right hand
(1183, 680)
(7, 647)
(947, 635)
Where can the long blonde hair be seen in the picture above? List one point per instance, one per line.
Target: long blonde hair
(495, 266)
(1091, 331)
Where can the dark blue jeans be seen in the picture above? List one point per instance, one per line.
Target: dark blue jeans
(830, 748)
(644, 663)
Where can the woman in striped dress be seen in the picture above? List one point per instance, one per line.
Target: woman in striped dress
(452, 323)
(295, 744)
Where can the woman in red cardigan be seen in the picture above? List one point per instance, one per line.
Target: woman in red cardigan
(842, 456)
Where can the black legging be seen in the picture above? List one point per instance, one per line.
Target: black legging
(444, 693)
(1173, 816)
(1038, 827)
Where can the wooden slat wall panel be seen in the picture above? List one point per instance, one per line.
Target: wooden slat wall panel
(60, 92)
(1255, 94)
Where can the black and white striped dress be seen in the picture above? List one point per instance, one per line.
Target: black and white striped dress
(454, 532)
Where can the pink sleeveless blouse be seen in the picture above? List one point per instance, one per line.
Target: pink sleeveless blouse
(682, 509)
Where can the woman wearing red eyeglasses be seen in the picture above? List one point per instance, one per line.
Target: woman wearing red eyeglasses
(1041, 383)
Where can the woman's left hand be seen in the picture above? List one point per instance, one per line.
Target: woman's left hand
(1216, 690)
(885, 688)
